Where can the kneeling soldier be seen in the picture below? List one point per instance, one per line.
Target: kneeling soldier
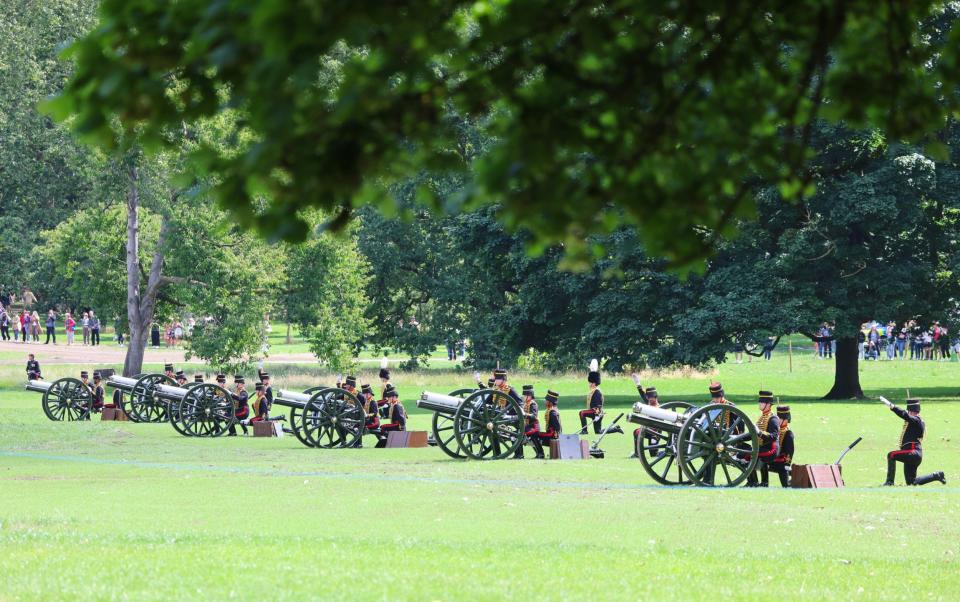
(98, 393)
(594, 401)
(371, 421)
(768, 428)
(241, 408)
(781, 463)
(531, 421)
(260, 407)
(552, 420)
(396, 417)
(910, 451)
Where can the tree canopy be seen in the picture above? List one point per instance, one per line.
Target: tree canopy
(658, 115)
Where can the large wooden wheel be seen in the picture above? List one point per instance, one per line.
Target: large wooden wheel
(296, 419)
(716, 446)
(173, 413)
(488, 425)
(145, 406)
(444, 432)
(332, 418)
(657, 450)
(205, 411)
(67, 399)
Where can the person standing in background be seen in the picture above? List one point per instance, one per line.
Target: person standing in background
(51, 327)
(94, 329)
(69, 326)
(4, 325)
(25, 326)
(35, 326)
(85, 322)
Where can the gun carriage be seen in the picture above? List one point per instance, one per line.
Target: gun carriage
(325, 417)
(64, 399)
(197, 410)
(484, 424)
(682, 444)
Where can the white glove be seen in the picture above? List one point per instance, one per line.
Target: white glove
(636, 378)
(476, 376)
(886, 401)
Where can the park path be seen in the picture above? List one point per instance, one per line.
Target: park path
(111, 353)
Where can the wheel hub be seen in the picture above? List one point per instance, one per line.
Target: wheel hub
(720, 447)
(489, 426)
(333, 420)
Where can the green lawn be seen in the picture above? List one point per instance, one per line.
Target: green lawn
(118, 510)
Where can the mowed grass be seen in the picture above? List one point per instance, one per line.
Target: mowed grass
(131, 511)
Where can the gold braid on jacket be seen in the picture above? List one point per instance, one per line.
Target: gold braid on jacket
(784, 427)
(762, 424)
(505, 398)
(902, 433)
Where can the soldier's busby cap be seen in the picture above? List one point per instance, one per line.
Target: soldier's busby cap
(258, 386)
(222, 378)
(366, 389)
(716, 389)
(168, 367)
(593, 377)
(180, 374)
(264, 376)
(499, 374)
(84, 374)
(528, 390)
(651, 391)
(238, 379)
(351, 381)
(551, 397)
(390, 392)
(198, 378)
(766, 396)
(96, 375)
(489, 382)
(384, 372)
(783, 412)
(913, 405)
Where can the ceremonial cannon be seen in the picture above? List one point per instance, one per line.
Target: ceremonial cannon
(484, 424)
(681, 444)
(325, 417)
(64, 399)
(197, 410)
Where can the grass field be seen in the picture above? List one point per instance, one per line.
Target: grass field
(129, 511)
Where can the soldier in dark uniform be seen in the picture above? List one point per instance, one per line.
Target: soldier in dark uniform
(222, 380)
(782, 462)
(910, 450)
(168, 370)
(33, 368)
(198, 379)
(241, 407)
(531, 421)
(98, 392)
(552, 420)
(594, 409)
(259, 405)
(396, 417)
(267, 389)
(181, 378)
(371, 421)
(768, 429)
(85, 379)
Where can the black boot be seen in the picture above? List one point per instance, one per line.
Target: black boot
(518, 455)
(764, 477)
(538, 448)
(929, 478)
(891, 472)
(615, 429)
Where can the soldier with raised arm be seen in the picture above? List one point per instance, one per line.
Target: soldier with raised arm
(910, 449)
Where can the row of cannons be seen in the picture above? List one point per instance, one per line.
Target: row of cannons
(324, 417)
(678, 443)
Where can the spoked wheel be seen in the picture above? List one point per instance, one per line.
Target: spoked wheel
(67, 399)
(717, 446)
(444, 432)
(145, 406)
(332, 418)
(205, 411)
(173, 413)
(657, 449)
(488, 425)
(296, 419)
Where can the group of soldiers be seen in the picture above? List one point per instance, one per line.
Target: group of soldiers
(776, 439)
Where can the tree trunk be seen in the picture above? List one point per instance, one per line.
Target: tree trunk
(289, 338)
(846, 379)
(133, 363)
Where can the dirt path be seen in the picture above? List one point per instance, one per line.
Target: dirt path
(111, 353)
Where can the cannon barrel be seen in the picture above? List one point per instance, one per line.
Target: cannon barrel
(655, 417)
(38, 386)
(438, 402)
(291, 399)
(121, 382)
(170, 393)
